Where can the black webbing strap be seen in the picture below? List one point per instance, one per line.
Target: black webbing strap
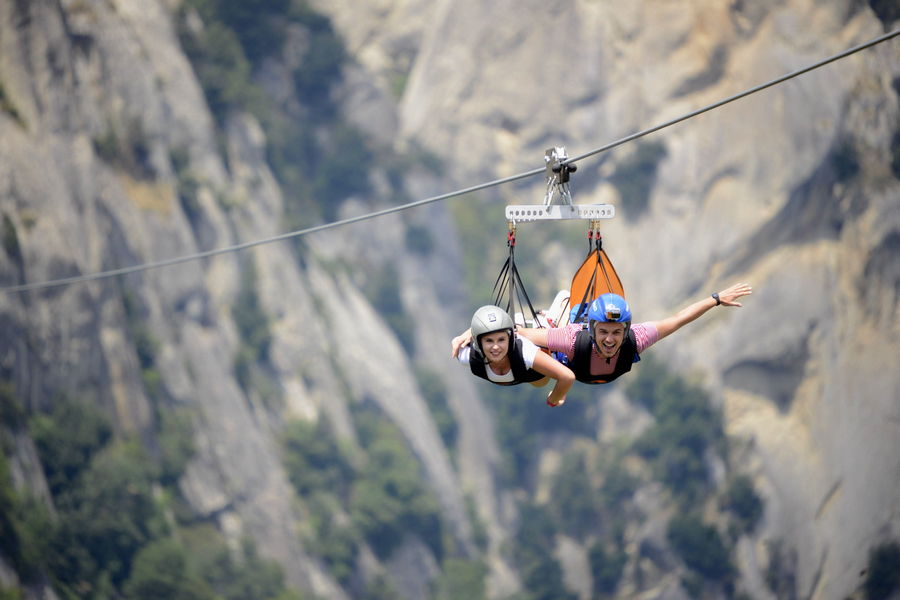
(509, 285)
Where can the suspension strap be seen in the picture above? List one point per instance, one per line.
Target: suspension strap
(509, 286)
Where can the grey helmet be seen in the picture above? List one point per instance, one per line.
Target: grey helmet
(490, 318)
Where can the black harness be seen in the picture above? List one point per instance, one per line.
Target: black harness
(521, 373)
(581, 360)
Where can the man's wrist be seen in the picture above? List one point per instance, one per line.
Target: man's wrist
(715, 296)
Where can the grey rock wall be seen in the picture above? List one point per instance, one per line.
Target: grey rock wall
(106, 104)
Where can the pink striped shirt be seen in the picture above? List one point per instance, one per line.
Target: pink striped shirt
(562, 339)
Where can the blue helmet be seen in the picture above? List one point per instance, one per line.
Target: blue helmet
(610, 308)
(578, 313)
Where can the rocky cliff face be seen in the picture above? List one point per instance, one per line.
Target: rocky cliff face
(791, 189)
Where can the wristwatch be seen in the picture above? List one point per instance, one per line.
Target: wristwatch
(716, 298)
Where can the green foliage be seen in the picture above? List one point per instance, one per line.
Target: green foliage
(259, 25)
(383, 291)
(253, 577)
(701, 547)
(522, 416)
(188, 185)
(389, 496)
(146, 345)
(781, 572)
(222, 68)
(341, 168)
(104, 519)
(10, 593)
(618, 485)
(419, 240)
(67, 439)
(435, 394)
(479, 530)
(461, 579)
(313, 460)
(249, 317)
(322, 62)
(12, 414)
(606, 568)
(237, 35)
(745, 504)
(7, 106)
(17, 544)
(686, 426)
(845, 161)
(126, 148)
(386, 497)
(253, 327)
(379, 589)
(160, 570)
(106, 145)
(887, 11)
(534, 543)
(883, 572)
(176, 444)
(10, 239)
(635, 177)
(895, 151)
(574, 500)
(335, 543)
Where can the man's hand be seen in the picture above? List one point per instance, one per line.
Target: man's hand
(728, 296)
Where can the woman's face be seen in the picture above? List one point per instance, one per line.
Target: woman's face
(495, 345)
(609, 337)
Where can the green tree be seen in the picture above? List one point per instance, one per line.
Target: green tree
(313, 460)
(160, 570)
(103, 520)
(635, 177)
(67, 439)
(389, 496)
(883, 573)
(535, 541)
(742, 500)
(686, 426)
(606, 568)
(461, 579)
(574, 503)
(701, 547)
(251, 577)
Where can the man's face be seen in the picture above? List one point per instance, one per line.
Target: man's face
(609, 337)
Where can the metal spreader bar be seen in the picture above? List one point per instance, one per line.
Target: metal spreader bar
(538, 212)
(558, 171)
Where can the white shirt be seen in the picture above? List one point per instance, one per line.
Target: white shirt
(529, 351)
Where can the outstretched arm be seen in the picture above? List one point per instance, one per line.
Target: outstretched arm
(545, 365)
(537, 336)
(727, 297)
(459, 342)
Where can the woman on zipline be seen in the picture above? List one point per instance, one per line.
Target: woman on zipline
(609, 345)
(501, 357)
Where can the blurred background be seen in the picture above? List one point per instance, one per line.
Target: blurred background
(285, 422)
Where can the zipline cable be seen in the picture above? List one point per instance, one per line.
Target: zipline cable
(468, 190)
(260, 242)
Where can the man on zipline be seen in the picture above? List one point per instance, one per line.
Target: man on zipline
(609, 345)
